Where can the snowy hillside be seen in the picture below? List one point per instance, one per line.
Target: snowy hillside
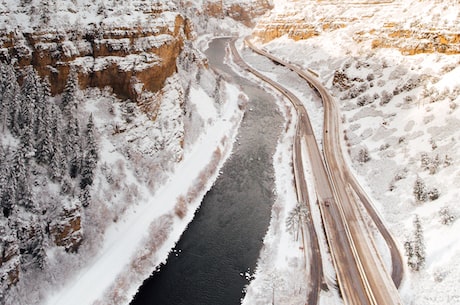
(113, 148)
(132, 108)
(398, 90)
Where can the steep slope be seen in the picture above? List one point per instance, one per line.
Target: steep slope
(128, 70)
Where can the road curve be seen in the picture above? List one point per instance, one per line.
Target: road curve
(346, 191)
(331, 111)
(316, 269)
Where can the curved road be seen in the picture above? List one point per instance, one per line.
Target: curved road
(360, 270)
(333, 140)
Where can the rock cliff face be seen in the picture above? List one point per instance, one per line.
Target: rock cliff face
(9, 259)
(242, 11)
(415, 42)
(380, 24)
(121, 58)
(67, 230)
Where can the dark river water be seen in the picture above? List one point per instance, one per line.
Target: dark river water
(225, 237)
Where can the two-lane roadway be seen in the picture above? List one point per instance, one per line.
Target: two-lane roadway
(361, 273)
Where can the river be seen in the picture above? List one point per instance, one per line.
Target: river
(225, 237)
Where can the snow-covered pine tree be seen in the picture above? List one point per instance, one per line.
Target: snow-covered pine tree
(7, 184)
(420, 191)
(31, 239)
(418, 244)
(43, 101)
(75, 155)
(363, 155)
(4, 107)
(90, 156)
(85, 196)
(11, 96)
(296, 219)
(44, 145)
(415, 247)
(27, 139)
(69, 101)
(21, 175)
(58, 163)
(29, 96)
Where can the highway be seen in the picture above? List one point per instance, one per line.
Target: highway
(362, 276)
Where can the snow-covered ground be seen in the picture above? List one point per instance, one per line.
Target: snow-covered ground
(129, 252)
(399, 108)
(409, 107)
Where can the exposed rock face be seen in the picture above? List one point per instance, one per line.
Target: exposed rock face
(121, 58)
(67, 230)
(9, 259)
(380, 24)
(242, 11)
(416, 42)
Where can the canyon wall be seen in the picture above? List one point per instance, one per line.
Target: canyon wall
(379, 24)
(120, 58)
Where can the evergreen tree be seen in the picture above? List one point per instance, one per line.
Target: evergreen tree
(44, 137)
(31, 241)
(90, 156)
(69, 101)
(21, 175)
(11, 101)
(75, 154)
(85, 196)
(415, 248)
(58, 163)
(3, 103)
(363, 155)
(29, 96)
(296, 219)
(7, 186)
(42, 105)
(27, 140)
(420, 191)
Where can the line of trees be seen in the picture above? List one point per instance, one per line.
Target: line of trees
(42, 147)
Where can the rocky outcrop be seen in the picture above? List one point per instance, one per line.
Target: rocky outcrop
(9, 259)
(242, 11)
(128, 60)
(67, 230)
(416, 42)
(366, 22)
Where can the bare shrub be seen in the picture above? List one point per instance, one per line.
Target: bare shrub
(433, 194)
(408, 99)
(447, 161)
(364, 100)
(411, 83)
(363, 155)
(401, 174)
(446, 216)
(180, 209)
(433, 144)
(385, 97)
(381, 83)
